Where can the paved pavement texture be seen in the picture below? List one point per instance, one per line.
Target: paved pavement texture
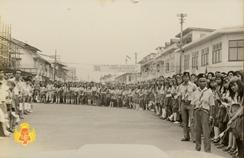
(68, 127)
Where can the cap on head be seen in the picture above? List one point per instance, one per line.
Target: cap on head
(211, 73)
(201, 75)
(186, 74)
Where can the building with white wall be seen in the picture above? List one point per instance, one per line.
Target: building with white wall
(31, 62)
(221, 50)
(71, 74)
(192, 34)
(128, 78)
(148, 67)
(167, 64)
(202, 50)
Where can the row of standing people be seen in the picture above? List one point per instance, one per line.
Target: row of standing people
(15, 101)
(204, 104)
(212, 106)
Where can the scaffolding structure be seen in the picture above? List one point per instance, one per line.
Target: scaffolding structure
(9, 51)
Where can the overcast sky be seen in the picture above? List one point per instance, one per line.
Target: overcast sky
(104, 32)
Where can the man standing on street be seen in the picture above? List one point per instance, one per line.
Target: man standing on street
(18, 90)
(203, 101)
(186, 90)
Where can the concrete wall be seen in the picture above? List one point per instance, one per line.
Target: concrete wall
(172, 59)
(27, 60)
(34, 65)
(198, 34)
(225, 65)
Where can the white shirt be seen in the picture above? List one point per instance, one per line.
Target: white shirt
(203, 98)
(186, 90)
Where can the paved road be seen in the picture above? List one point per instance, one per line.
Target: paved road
(62, 127)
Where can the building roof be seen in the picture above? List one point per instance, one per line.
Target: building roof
(174, 40)
(46, 58)
(25, 45)
(213, 35)
(168, 49)
(61, 64)
(148, 58)
(189, 29)
(41, 58)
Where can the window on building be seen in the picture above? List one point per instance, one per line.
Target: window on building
(236, 50)
(187, 61)
(129, 78)
(195, 60)
(204, 56)
(216, 53)
(146, 69)
(162, 67)
(172, 66)
(167, 67)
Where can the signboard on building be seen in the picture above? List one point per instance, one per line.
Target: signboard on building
(117, 68)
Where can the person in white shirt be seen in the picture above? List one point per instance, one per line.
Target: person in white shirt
(49, 94)
(29, 94)
(3, 108)
(18, 92)
(186, 90)
(203, 102)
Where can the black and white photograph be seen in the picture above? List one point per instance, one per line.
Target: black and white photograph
(121, 79)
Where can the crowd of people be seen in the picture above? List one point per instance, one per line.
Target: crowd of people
(15, 101)
(206, 104)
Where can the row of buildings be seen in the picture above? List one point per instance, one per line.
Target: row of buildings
(202, 50)
(18, 55)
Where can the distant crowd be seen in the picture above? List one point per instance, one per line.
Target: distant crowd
(207, 104)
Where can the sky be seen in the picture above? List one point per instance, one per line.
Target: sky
(87, 32)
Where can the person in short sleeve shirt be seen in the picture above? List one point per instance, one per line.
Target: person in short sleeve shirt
(203, 102)
(186, 90)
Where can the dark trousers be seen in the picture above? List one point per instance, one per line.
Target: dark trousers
(240, 146)
(187, 115)
(202, 127)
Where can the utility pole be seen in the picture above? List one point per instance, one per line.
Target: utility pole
(55, 63)
(54, 57)
(182, 19)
